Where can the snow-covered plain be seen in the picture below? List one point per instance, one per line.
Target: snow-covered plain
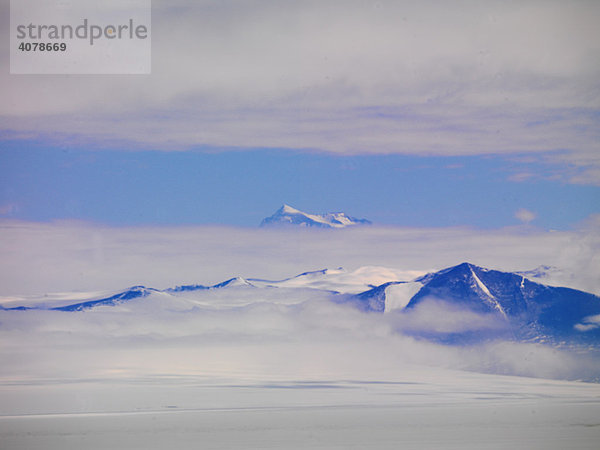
(417, 409)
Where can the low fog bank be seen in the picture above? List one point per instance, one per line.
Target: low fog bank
(299, 338)
(62, 257)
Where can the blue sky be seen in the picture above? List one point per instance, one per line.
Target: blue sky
(240, 188)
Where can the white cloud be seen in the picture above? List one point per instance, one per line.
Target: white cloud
(525, 215)
(37, 258)
(589, 323)
(340, 76)
(434, 315)
(271, 339)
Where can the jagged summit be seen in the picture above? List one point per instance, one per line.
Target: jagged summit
(288, 215)
(287, 209)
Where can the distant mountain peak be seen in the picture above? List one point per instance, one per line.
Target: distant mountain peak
(288, 215)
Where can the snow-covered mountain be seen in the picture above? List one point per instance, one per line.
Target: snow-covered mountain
(530, 311)
(340, 280)
(456, 304)
(286, 215)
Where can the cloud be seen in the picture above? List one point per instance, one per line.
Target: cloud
(347, 77)
(521, 176)
(589, 323)
(586, 175)
(37, 258)
(524, 215)
(433, 315)
(285, 335)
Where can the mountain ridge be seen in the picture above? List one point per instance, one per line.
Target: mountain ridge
(513, 305)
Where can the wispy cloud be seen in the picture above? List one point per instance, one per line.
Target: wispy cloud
(525, 215)
(521, 176)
